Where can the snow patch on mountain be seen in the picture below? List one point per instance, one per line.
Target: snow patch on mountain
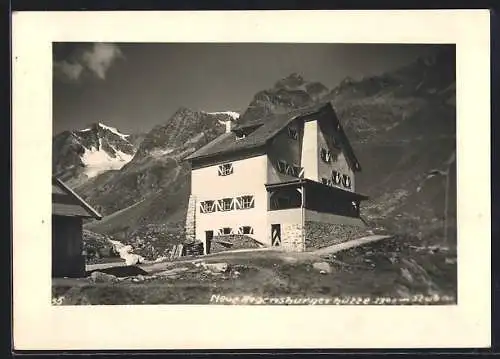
(232, 114)
(97, 161)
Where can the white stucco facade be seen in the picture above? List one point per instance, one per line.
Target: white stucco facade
(247, 179)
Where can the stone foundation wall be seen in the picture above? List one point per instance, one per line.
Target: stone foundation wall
(320, 234)
(190, 226)
(292, 237)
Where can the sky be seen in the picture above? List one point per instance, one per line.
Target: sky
(135, 86)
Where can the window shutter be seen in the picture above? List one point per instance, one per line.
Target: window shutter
(301, 172)
(202, 207)
(252, 202)
(220, 170)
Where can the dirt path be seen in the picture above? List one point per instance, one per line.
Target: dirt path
(266, 253)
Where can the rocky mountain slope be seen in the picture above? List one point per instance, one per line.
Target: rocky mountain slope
(401, 125)
(148, 196)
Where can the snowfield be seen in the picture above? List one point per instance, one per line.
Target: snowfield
(97, 161)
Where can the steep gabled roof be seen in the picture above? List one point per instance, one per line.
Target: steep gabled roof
(266, 128)
(66, 202)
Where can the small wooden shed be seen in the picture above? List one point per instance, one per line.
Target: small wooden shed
(68, 212)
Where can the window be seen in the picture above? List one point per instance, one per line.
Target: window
(346, 181)
(225, 169)
(245, 230)
(290, 170)
(292, 133)
(225, 231)
(327, 181)
(245, 202)
(226, 204)
(326, 156)
(207, 206)
(282, 166)
(240, 136)
(336, 178)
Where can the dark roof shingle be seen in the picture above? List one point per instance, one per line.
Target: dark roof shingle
(267, 128)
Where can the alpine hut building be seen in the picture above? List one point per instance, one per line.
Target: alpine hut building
(286, 180)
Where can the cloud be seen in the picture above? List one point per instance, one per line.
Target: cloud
(96, 60)
(71, 71)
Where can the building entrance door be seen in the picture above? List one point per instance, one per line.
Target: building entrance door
(275, 235)
(209, 235)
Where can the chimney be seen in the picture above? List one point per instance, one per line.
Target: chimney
(229, 126)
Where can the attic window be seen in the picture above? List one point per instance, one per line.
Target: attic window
(225, 169)
(292, 133)
(326, 156)
(245, 230)
(282, 165)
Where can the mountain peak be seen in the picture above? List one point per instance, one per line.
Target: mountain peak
(99, 126)
(292, 80)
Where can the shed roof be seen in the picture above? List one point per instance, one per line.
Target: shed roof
(267, 128)
(66, 202)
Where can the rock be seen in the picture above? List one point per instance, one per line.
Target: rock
(102, 277)
(132, 259)
(322, 267)
(217, 267)
(172, 272)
